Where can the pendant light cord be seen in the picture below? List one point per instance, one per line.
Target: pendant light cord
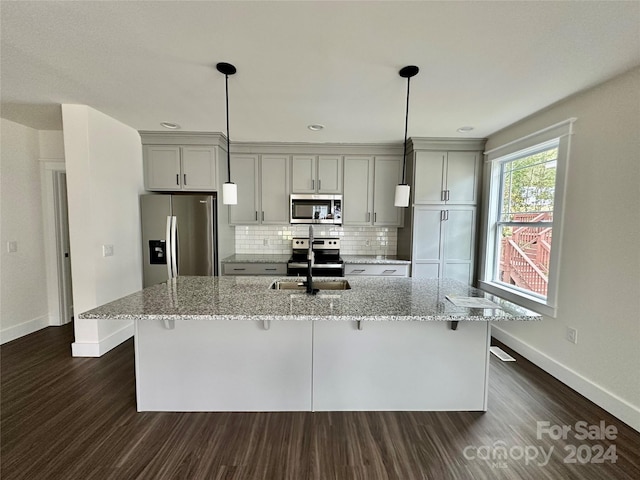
(226, 89)
(406, 124)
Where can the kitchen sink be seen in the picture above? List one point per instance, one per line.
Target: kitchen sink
(317, 284)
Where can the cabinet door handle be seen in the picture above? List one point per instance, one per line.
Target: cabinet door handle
(375, 217)
(446, 196)
(185, 178)
(443, 195)
(446, 214)
(368, 216)
(442, 215)
(239, 269)
(177, 179)
(270, 269)
(263, 215)
(388, 272)
(357, 270)
(319, 183)
(256, 215)
(313, 184)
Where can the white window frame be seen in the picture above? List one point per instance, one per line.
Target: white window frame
(560, 133)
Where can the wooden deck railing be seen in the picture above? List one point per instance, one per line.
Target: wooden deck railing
(525, 255)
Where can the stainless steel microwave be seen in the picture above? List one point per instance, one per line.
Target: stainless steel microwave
(316, 208)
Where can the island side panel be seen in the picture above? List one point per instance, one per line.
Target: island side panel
(223, 365)
(400, 366)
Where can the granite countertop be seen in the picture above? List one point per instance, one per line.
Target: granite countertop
(374, 259)
(249, 298)
(257, 258)
(282, 258)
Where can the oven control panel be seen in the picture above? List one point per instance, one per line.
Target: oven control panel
(318, 243)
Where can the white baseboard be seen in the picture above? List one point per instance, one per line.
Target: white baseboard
(22, 329)
(613, 404)
(97, 349)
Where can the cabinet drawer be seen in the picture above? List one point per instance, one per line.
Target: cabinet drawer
(385, 270)
(255, 268)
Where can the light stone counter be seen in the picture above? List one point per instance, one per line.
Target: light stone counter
(384, 350)
(375, 259)
(257, 258)
(250, 298)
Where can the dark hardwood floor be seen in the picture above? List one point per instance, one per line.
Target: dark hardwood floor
(75, 418)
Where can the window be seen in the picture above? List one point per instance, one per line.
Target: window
(524, 217)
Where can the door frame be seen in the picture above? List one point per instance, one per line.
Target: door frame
(49, 169)
(63, 247)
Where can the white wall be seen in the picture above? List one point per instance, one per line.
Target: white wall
(599, 291)
(104, 180)
(23, 288)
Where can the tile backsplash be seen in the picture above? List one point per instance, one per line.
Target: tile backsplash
(353, 240)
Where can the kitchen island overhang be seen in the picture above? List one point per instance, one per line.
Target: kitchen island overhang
(235, 344)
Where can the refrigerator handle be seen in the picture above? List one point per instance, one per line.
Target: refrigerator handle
(167, 247)
(174, 246)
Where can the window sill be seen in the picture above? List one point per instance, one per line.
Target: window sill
(528, 301)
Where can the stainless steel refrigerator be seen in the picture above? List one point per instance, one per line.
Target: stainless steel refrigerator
(178, 236)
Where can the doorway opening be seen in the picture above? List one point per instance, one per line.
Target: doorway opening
(63, 250)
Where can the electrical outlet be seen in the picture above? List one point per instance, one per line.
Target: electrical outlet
(12, 246)
(572, 335)
(107, 250)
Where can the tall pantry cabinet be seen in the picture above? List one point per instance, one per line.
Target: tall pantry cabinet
(439, 235)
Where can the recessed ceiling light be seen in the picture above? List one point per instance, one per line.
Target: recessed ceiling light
(315, 127)
(170, 125)
(465, 129)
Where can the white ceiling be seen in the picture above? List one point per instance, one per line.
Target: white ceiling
(484, 64)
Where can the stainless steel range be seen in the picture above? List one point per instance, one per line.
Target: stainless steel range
(327, 262)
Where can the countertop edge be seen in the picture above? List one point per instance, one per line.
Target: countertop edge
(390, 318)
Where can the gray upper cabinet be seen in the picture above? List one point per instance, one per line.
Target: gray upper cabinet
(316, 174)
(263, 192)
(358, 196)
(274, 189)
(446, 177)
(199, 168)
(244, 173)
(387, 174)
(370, 192)
(174, 168)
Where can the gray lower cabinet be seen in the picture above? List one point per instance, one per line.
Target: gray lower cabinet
(239, 268)
(444, 242)
(377, 270)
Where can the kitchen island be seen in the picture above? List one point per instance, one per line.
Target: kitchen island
(236, 344)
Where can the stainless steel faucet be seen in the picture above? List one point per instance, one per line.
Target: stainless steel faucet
(310, 263)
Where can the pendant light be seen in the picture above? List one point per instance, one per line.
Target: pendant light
(229, 189)
(402, 190)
